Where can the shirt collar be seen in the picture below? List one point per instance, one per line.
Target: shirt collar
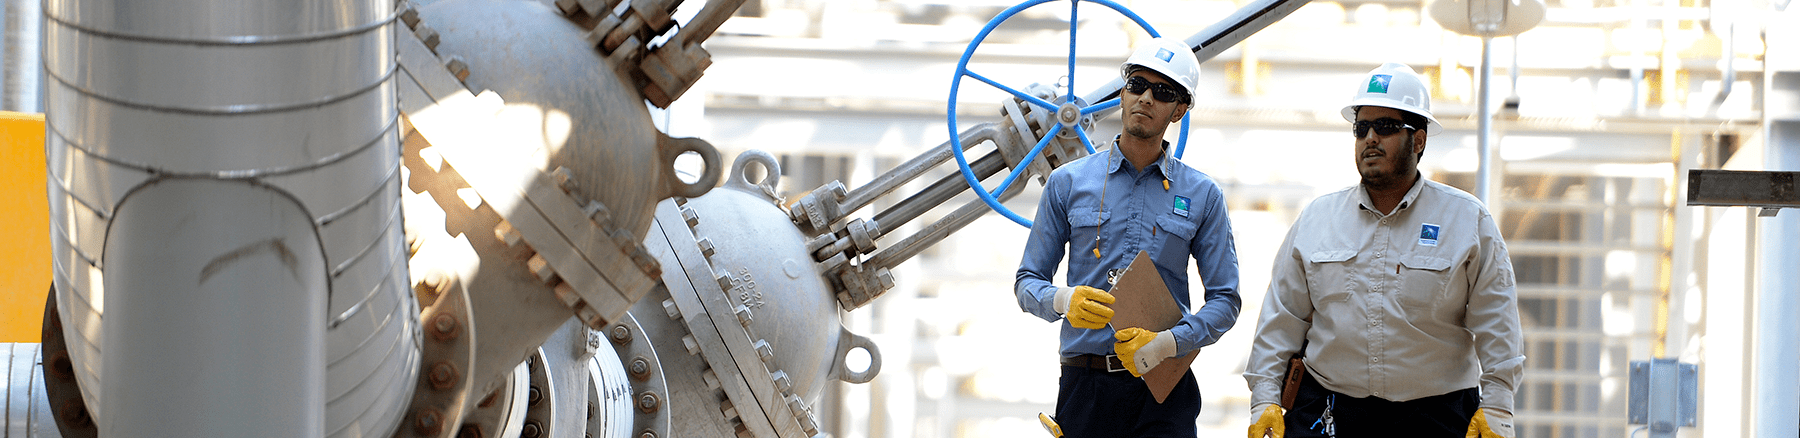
(1115, 161)
(1412, 195)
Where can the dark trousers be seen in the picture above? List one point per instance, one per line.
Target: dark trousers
(1438, 416)
(1095, 403)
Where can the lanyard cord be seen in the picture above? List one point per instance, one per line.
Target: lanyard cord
(1104, 179)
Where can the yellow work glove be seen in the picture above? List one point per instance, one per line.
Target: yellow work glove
(1266, 421)
(1141, 349)
(1490, 423)
(1084, 307)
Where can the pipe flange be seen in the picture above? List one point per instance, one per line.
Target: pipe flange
(61, 388)
(444, 363)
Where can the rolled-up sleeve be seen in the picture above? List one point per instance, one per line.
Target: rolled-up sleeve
(1044, 249)
(1281, 329)
(1493, 317)
(1215, 252)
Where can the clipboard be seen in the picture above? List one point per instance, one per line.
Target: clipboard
(1142, 300)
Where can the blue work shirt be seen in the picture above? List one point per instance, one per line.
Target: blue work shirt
(1186, 220)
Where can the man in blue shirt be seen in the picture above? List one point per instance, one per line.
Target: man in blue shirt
(1102, 210)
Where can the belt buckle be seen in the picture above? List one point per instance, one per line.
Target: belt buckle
(1112, 359)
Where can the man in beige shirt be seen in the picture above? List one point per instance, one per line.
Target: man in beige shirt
(1399, 290)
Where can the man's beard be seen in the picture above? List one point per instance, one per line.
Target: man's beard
(1139, 131)
(1400, 171)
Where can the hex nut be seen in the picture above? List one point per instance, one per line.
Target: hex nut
(589, 316)
(640, 367)
(620, 334)
(782, 382)
(409, 15)
(692, 218)
(711, 378)
(428, 36)
(725, 281)
(648, 402)
(726, 408)
(745, 316)
(428, 422)
(433, 285)
(74, 413)
(599, 214)
(458, 67)
(507, 234)
(541, 268)
(693, 346)
(707, 248)
(443, 375)
(885, 277)
(766, 352)
(444, 326)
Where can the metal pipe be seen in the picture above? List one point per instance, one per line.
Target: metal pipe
(932, 234)
(1776, 345)
(1513, 88)
(1637, 68)
(208, 326)
(26, 405)
(287, 100)
(1215, 39)
(1484, 173)
(24, 87)
(1728, 77)
(892, 180)
(707, 20)
(945, 188)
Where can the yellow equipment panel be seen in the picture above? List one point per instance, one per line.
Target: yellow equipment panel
(24, 228)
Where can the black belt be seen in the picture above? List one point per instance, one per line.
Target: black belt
(1108, 363)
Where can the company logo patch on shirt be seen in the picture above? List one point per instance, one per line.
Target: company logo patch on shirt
(1428, 234)
(1379, 83)
(1165, 55)
(1181, 206)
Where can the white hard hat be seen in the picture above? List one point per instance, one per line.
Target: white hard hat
(1394, 85)
(1171, 57)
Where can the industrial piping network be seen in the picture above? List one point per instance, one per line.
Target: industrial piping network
(227, 183)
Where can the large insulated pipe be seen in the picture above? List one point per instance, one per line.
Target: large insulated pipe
(229, 169)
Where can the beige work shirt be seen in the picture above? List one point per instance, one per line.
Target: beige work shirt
(1399, 306)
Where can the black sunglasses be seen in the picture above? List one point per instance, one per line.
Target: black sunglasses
(1382, 127)
(1162, 92)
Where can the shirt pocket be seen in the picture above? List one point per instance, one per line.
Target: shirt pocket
(1329, 276)
(1084, 224)
(1175, 234)
(1423, 281)
(1086, 217)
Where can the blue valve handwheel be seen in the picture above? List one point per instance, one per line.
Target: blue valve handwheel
(962, 69)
